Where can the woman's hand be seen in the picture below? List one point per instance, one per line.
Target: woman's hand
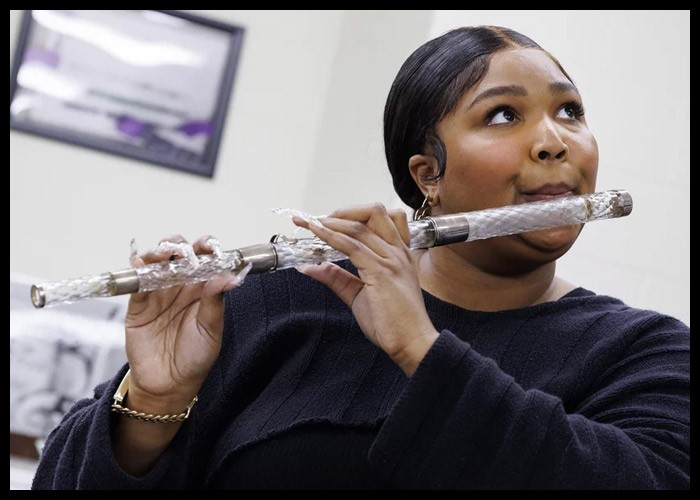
(386, 299)
(173, 335)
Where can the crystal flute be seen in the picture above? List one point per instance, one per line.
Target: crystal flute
(283, 252)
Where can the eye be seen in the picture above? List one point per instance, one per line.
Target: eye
(500, 115)
(571, 111)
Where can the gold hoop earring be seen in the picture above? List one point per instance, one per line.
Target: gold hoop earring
(424, 210)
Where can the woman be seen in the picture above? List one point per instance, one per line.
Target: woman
(462, 366)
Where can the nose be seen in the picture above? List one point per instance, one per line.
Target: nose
(548, 145)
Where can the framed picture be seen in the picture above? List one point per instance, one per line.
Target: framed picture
(152, 85)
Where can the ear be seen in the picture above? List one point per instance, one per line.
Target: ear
(422, 168)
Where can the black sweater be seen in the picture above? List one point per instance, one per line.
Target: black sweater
(585, 392)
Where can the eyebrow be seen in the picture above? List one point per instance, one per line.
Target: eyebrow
(517, 90)
(561, 87)
(498, 91)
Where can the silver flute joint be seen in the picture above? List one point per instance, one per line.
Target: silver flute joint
(263, 258)
(283, 253)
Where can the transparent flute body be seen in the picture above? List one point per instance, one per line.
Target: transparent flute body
(283, 252)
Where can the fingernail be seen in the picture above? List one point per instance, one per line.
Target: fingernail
(291, 213)
(188, 251)
(302, 216)
(314, 221)
(215, 247)
(240, 276)
(133, 253)
(302, 267)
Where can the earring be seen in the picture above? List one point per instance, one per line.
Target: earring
(424, 210)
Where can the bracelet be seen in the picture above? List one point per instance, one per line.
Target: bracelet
(146, 417)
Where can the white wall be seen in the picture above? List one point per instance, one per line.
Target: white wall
(349, 165)
(304, 131)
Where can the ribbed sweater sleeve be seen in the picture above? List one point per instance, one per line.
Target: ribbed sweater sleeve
(78, 453)
(461, 422)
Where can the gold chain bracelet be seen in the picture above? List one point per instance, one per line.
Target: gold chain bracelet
(146, 417)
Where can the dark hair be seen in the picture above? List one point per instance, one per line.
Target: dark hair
(427, 88)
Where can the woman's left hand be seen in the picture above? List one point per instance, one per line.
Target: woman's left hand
(386, 299)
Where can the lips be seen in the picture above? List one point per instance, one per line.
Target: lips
(548, 192)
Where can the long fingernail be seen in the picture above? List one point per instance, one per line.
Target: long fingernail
(291, 212)
(188, 252)
(315, 222)
(302, 267)
(232, 283)
(240, 276)
(133, 253)
(215, 247)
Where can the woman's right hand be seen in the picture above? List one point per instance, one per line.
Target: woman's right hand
(173, 335)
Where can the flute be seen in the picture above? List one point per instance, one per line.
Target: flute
(283, 252)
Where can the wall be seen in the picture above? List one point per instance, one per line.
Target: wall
(349, 166)
(304, 131)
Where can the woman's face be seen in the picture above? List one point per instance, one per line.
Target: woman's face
(517, 136)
